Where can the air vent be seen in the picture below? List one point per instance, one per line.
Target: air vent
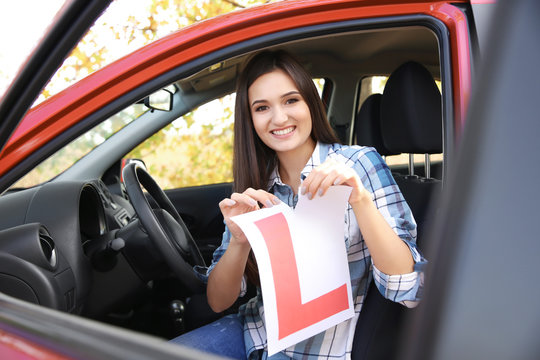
(47, 245)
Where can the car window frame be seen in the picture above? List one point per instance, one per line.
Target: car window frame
(198, 64)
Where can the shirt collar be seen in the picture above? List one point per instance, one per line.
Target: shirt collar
(317, 157)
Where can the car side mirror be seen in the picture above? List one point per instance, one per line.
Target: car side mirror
(159, 100)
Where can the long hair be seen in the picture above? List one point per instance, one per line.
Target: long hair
(253, 161)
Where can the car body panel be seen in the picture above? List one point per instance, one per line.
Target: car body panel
(482, 301)
(51, 118)
(29, 331)
(69, 25)
(13, 347)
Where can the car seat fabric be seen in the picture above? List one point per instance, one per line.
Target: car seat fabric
(411, 111)
(368, 125)
(411, 122)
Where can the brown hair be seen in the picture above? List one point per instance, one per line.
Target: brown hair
(253, 161)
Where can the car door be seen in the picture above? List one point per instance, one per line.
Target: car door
(481, 299)
(198, 207)
(71, 23)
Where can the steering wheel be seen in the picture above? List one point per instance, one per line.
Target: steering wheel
(164, 226)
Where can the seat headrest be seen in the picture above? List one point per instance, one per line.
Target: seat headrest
(411, 115)
(368, 125)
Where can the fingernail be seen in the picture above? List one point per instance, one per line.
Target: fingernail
(252, 202)
(337, 181)
(276, 201)
(309, 196)
(303, 190)
(231, 202)
(320, 192)
(268, 203)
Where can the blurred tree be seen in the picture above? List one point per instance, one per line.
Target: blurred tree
(197, 152)
(195, 149)
(128, 25)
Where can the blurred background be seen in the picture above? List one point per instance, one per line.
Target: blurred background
(180, 154)
(124, 27)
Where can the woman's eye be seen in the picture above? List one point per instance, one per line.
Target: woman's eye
(292, 100)
(261, 108)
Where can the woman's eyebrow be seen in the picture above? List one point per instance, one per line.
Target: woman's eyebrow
(257, 101)
(293, 92)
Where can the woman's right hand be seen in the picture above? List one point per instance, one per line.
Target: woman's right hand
(241, 203)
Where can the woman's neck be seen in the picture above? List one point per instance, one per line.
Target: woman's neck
(291, 164)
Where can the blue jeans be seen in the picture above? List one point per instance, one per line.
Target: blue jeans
(223, 337)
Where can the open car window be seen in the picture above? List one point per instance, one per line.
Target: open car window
(197, 148)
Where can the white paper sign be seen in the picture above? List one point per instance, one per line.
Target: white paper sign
(303, 266)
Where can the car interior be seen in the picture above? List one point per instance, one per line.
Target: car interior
(86, 240)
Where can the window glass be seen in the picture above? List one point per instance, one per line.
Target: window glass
(71, 153)
(319, 84)
(371, 85)
(195, 149)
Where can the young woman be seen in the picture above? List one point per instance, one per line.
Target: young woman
(284, 144)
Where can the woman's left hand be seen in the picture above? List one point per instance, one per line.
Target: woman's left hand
(334, 173)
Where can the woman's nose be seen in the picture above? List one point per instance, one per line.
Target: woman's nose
(280, 115)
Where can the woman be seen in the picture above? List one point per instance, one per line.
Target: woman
(284, 144)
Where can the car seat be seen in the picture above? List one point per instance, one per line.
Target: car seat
(411, 122)
(367, 126)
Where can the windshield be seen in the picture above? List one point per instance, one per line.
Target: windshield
(78, 148)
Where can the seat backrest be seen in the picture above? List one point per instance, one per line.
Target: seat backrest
(411, 123)
(411, 119)
(367, 126)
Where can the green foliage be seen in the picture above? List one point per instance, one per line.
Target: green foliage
(199, 152)
(195, 149)
(75, 150)
(113, 37)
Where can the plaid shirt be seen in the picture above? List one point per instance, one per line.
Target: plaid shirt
(336, 342)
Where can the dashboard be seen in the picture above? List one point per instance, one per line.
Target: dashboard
(59, 245)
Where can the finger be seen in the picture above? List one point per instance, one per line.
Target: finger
(245, 200)
(227, 203)
(263, 197)
(327, 174)
(317, 176)
(316, 172)
(347, 177)
(312, 183)
(332, 178)
(225, 206)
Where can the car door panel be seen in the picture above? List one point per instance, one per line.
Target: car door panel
(198, 206)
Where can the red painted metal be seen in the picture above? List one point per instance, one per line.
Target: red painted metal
(16, 348)
(54, 116)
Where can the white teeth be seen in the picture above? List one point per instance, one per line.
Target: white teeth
(284, 131)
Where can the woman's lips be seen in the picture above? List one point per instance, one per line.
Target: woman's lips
(285, 131)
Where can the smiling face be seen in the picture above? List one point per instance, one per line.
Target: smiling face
(281, 116)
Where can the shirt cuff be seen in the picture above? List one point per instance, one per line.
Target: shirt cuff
(402, 282)
(405, 289)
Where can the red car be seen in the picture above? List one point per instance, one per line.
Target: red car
(83, 248)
